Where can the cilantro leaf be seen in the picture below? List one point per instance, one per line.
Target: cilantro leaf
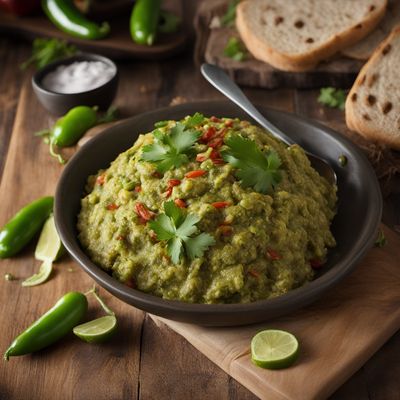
(255, 169)
(235, 49)
(331, 97)
(170, 150)
(195, 119)
(177, 229)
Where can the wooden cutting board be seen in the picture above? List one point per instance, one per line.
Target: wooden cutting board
(337, 334)
(117, 45)
(338, 72)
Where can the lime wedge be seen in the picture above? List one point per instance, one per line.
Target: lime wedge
(49, 246)
(274, 349)
(42, 276)
(98, 330)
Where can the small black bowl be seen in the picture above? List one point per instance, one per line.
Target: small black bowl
(354, 227)
(60, 103)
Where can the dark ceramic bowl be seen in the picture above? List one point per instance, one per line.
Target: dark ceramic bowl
(61, 103)
(354, 227)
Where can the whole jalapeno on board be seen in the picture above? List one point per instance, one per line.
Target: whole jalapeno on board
(50, 327)
(65, 16)
(19, 231)
(144, 21)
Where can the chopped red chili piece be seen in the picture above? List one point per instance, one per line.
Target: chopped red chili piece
(101, 179)
(215, 119)
(217, 142)
(221, 204)
(208, 134)
(142, 211)
(130, 283)
(226, 230)
(218, 161)
(168, 192)
(201, 158)
(112, 207)
(156, 174)
(273, 255)
(174, 182)
(216, 157)
(254, 273)
(315, 263)
(195, 174)
(180, 203)
(229, 123)
(222, 132)
(138, 189)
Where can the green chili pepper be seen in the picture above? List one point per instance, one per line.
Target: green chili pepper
(50, 327)
(68, 18)
(19, 231)
(144, 21)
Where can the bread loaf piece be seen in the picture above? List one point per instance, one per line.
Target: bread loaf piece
(373, 103)
(295, 35)
(363, 49)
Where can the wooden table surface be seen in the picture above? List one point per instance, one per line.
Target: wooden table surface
(167, 366)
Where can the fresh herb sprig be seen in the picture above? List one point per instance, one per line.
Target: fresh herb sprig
(256, 169)
(171, 150)
(332, 97)
(228, 19)
(45, 51)
(177, 229)
(235, 49)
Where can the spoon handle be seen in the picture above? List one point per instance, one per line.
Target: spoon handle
(221, 81)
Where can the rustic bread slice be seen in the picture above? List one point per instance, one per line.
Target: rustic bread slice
(373, 103)
(363, 49)
(294, 35)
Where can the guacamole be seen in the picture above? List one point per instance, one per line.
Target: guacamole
(265, 242)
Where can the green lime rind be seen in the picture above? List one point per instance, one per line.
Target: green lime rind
(42, 276)
(49, 246)
(98, 330)
(274, 349)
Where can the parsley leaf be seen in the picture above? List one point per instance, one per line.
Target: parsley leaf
(228, 19)
(178, 229)
(235, 49)
(171, 150)
(331, 97)
(195, 119)
(255, 169)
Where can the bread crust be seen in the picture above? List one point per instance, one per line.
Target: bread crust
(301, 62)
(354, 122)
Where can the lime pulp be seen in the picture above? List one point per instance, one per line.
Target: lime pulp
(42, 276)
(49, 246)
(97, 330)
(274, 349)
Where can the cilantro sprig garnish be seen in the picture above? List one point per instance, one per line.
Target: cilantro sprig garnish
(195, 119)
(171, 150)
(256, 169)
(331, 97)
(177, 229)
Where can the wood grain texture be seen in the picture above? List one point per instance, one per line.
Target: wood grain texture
(118, 44)
(338, 71)
(338, 333)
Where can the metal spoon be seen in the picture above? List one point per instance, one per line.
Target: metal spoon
(221, 81)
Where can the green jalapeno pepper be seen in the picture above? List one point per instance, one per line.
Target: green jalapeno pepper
(68, 18)
(19, 231)
(50, 327)
(144, 21)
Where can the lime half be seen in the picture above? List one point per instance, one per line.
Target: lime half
(49, 246)
(98, 330)
(42, 276)
(274, 349)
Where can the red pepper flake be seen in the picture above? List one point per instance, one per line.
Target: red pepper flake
(254, 273)
(130, 283)
(215, 119)
(101, 179)
(121, 238)
(138, 189)
(229, 123)
(153, 236)
(216, 157)
(180, 203)
(112, 207)
(168, 192)
(222, 132)
(316, 263)
(201, 158)
(207, 135)
(195, 174)
(143, 213)
(173, 182)
(221, 204)
(273, 255)
(156, 174)
(216, 143)
(226, 230)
